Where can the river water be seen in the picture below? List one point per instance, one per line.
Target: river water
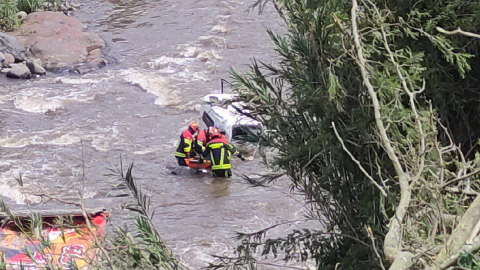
(165, 55)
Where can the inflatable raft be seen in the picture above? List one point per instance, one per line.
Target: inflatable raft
(69, 246)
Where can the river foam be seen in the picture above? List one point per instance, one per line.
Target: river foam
(41, 96)
(48, 137)
(166, 93)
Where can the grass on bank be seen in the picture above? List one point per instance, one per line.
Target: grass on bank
(10, 8)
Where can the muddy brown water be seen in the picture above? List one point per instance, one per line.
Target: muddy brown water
(165, 56)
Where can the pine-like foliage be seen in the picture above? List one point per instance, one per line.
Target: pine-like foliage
(373, 114)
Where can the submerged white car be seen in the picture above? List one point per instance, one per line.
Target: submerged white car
(219, 110)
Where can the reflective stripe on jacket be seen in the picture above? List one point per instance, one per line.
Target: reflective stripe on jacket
(185, 145)
(220, 153)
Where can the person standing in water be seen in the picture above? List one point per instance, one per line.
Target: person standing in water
(220, 151)
(184, 148)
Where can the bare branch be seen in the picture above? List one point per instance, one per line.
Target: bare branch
(373, 95)
(410, 94)
(382, 190)
(477, 171)
(281, 266)
(474, 233)
(370, 235)
(393, 237)
(52, 198)
(457, 241)
(457, 32)
(475, 246)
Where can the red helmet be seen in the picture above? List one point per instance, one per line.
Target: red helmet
(193, 125)
(214, 132)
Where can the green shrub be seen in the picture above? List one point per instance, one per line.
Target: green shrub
(8, 11)
(28, 6)
(10, 8)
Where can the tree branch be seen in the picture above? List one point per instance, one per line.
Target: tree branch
(375, 102)
(460, 235)
(453, 259)
(411, 95)
(393, 238)
(474, 233)
(457, 32)
(477, 171)
(382, 190)
(370, 234)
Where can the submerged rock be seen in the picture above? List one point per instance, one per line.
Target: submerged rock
(61, 42)
(19, 71)
(9, 44)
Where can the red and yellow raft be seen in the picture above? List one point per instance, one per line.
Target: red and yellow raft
(68, 245)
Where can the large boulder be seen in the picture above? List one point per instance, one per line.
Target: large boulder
(35, 66)
(59, 41)
(19, 71)
(9, 44)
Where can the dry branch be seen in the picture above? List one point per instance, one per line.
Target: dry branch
(460, 235)
(457, 32)
(392, 244)
(411, 95)
(370, 235)
(474, 233)
(382, 190)
(477, 171)
(453, 258)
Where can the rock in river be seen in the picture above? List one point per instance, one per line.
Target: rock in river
(19, 71)
(35, 66)
(9, 59)
(59, 41)
(9, 44)
(5, 70)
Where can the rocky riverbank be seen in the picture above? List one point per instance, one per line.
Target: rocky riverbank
(49, 41)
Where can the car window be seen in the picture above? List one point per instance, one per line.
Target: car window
(207, 120)
(246, 133)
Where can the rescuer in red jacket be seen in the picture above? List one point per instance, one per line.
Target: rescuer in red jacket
(184, 148)
(201, 141)
(220, 151)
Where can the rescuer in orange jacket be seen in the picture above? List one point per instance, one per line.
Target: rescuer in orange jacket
(184, 148)
(220, 151)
